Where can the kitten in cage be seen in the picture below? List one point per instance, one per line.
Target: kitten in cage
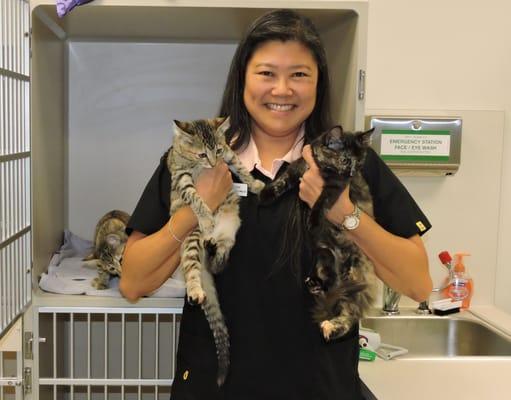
(109, 242)
(342, 277)
(201, 144)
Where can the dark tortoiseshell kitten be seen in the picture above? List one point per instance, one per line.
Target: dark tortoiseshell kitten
(342, 278)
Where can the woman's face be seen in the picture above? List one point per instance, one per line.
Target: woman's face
(280, 87)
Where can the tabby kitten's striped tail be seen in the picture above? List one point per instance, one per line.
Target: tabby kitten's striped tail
(211, 308)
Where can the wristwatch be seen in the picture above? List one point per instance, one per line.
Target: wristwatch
(351, 221)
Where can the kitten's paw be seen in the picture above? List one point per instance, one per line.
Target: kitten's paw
(99, 284)
(314, 285)
(328, 329)
(196, 296)
(257, 186)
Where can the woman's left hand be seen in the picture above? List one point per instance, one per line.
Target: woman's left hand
(311, 186)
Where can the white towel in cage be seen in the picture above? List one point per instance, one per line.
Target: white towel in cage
(67, 273)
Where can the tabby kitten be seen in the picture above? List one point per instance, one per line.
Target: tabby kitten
(109, 242)
(201, 144)
(342, 278)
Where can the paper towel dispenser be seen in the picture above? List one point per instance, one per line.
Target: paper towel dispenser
(418, 146)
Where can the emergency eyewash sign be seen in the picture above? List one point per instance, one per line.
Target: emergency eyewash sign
(412, 145)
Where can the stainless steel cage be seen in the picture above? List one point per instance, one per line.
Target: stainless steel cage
(15, 243)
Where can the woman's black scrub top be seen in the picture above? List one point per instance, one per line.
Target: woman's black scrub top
(277, 352)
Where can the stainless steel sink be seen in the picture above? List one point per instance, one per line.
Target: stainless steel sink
(433, 336)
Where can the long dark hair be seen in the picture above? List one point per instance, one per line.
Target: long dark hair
(283, 25)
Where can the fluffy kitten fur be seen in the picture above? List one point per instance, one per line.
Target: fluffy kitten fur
(197, 145)
(342, 278)
(109, 242)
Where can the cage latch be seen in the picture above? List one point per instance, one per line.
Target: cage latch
(28, 346)
(361, 84)
(27, 380)
(13, 381)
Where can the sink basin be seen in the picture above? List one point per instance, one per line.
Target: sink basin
(432, 336)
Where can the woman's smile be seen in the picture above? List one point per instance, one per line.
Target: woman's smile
(280, 107)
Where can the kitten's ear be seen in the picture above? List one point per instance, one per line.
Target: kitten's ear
(335, 133)
(365, 137)
(223, 123)
(182, 129)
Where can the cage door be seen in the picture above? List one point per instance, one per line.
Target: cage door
(15, 213)
(11, 363)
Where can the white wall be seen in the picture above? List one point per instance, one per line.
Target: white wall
(454, 56)
(145, 87)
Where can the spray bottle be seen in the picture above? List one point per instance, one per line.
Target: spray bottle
(461, 285)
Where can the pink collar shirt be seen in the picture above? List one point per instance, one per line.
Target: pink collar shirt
(249, 156)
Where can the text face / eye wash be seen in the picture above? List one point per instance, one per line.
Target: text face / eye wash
(405, 144)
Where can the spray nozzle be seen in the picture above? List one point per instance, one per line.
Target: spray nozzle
(445, 258)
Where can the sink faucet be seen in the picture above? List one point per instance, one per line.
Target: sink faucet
(390, 301)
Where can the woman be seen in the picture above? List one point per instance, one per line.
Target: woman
(277, 98)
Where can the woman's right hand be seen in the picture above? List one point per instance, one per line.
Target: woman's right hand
(213, 185)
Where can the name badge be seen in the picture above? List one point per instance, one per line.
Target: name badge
(241, 189)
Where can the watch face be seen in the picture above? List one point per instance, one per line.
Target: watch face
(351, 222)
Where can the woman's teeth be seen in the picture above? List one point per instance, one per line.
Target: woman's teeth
(279, 107)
